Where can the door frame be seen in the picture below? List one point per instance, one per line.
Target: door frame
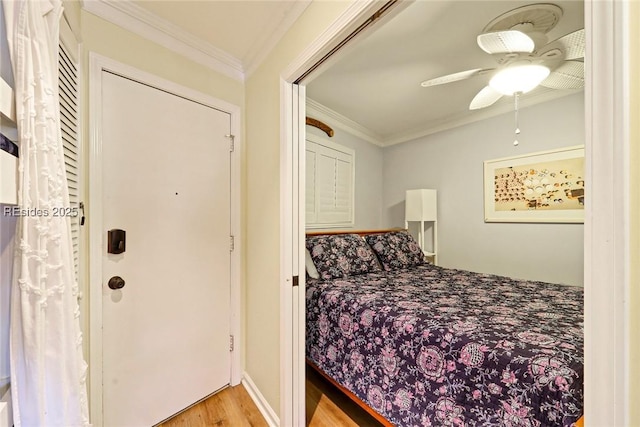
(606, 227)
(97, 65)
(292, 202)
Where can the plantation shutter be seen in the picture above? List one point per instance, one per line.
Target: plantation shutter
(69, 111)
(310, 187)
(329, 186)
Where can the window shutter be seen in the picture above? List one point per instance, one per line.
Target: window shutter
(329, 187)
(343, 193)
(326, 187)
(69, 111)
(310, 187)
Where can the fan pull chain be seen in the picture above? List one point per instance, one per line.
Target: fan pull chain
(516, 96)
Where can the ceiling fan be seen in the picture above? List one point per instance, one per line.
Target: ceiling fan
(517, 40)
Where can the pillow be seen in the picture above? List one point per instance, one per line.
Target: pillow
(397, 249)
(341, 255)
(310, 266)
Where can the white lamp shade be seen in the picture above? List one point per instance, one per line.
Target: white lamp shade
(420, 205)
(523, 78)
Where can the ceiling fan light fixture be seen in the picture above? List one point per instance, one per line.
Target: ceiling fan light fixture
(521, 78)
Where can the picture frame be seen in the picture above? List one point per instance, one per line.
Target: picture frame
(542, 187)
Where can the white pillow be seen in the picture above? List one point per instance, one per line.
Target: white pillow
(312, 271)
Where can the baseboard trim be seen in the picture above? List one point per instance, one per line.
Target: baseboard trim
(263, 406)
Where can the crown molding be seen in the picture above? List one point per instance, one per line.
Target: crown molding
(321, 112)
(324, 113)
(477, 116)
(261, 49)
(145, 24)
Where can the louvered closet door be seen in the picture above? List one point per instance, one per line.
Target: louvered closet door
(68, 91)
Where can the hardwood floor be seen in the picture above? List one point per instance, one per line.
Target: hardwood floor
(230, 407)
(326, 407)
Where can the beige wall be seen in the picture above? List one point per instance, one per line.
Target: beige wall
(72, 14)
(634, 179)
(113, 42)
(263, 198)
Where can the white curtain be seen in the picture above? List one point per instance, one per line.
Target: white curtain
(47, 368)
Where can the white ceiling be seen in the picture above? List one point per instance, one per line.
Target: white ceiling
(377, 82)
(375, 85)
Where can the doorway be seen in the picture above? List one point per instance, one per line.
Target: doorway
(605, 233)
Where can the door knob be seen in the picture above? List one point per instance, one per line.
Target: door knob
(116, 282)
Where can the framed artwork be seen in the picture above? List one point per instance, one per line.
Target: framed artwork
(539, 187)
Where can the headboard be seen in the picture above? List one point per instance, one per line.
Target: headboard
(359, 232)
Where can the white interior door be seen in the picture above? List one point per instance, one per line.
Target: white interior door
(166, 182)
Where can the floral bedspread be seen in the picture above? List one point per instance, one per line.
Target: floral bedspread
(428, 346)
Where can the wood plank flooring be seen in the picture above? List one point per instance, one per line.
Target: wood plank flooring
(328, 406)
(230, 407)
(325, 406)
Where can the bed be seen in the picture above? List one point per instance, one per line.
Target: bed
(421, 345)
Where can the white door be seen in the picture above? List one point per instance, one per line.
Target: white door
(166, 182)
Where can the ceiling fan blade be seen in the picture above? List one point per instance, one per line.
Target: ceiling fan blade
(572, 44)
(462, 75)
(487, 96)
(506, 42)
(569, 75)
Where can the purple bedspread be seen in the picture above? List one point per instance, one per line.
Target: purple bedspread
(429, 346)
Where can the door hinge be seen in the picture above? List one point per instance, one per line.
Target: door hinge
(231, 342)
(295, 280)
(232, 142)
(232, 243)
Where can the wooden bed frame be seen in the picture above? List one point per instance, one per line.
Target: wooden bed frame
(350, 395)
(345, 391)
(358, 232)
